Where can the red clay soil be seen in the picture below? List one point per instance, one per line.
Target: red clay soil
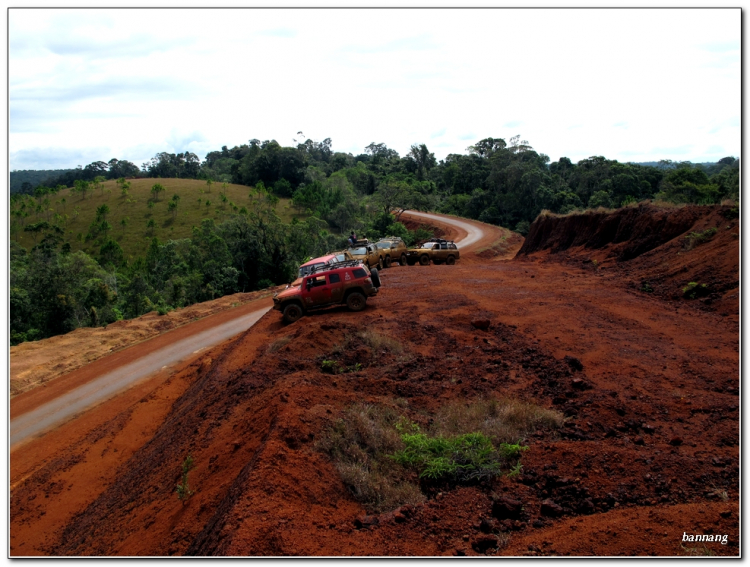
(649, 450)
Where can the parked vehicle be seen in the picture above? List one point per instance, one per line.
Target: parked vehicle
(350, 282)
(436, 250)
(367, 253)
(306, 268)
(392, 249)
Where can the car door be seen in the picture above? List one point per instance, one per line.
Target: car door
(442, 254)
(318, 291)
(337, 287)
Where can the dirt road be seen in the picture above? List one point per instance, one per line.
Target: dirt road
(119, 372)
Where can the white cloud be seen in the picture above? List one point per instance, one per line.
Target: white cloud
(569, 81)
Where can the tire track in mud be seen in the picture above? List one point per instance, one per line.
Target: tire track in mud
(209, 541)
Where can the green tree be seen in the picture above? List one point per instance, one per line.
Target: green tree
(172, 208)
(156, 189)
(102, 212)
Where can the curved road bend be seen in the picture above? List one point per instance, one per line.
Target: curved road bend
(474, 233)
(61, 409)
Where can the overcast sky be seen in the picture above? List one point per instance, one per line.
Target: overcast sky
(631, 85)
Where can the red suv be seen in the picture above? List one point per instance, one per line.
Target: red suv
(349, 282)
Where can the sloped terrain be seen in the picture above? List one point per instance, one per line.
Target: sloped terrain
(656, 250)
(649, 449)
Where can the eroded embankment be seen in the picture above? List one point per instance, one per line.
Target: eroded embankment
(657, 250)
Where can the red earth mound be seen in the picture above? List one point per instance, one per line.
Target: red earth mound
(649, 450)
(657, 250)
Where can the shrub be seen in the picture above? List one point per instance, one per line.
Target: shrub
(464, 458)
(696, 238)
(183, 489)
(328, 366)
(693, 290)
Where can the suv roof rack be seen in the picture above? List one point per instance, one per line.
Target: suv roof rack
(335, 265)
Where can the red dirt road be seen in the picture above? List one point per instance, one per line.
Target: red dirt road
(649, 450)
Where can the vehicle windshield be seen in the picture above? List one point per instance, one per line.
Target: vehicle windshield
(429, 245)
(305, 270)
(360, 250)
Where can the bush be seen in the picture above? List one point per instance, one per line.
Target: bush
(694, 290)
(697, 238)
(182, 488)
(522, 227)
(382, 456)
(461, 459)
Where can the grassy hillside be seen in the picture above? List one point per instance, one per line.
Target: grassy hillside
(135, 236)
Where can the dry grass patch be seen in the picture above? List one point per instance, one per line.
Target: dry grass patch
(503, 420)
(385, 459)
(359, 444)
(279, 343)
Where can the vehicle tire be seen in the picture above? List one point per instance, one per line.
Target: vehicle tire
(387, 262)
(356, 301)
(402, 261)
(293, 312)
(380, 263)
(450, 260)
(375, 277)
(424, 260)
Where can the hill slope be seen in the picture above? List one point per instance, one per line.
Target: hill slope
(135, 236)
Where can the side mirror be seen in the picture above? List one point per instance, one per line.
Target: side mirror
(309, 285)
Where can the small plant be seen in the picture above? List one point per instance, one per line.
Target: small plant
(693, 290)
(183, 489)
(463, 458)
(328, 366)
(162, 309)
(732, 213)
(646, 287)
(696, 238)
(515, 470)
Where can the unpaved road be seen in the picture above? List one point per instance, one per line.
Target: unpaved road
(71, 403)
(39, 411)
(474, 232)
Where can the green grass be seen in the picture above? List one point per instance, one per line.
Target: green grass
(135, 237)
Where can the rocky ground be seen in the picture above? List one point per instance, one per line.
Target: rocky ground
(648, 382)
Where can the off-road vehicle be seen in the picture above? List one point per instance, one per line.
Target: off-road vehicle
(367, 253)
(392, 249)
(436, 250)
(349, 282)
(330, 258)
